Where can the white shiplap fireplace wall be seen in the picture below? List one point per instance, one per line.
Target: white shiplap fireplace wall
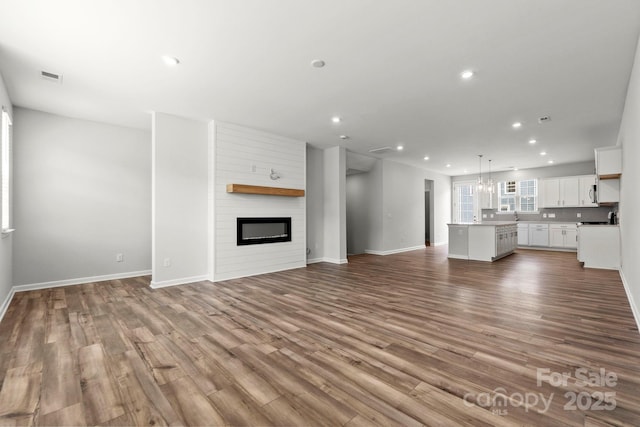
(246, 156)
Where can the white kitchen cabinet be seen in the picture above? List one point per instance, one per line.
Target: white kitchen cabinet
(482, 241)
(609, 161)
(599, 246)
(560, 192)
(539, 235)
(608, 170)
(459, 241)
(563, 236)
(587, 191)
(523, 234)
(608, 191)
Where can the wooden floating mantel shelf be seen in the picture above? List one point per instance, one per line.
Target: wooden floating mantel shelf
(611, 176)
(269, 191)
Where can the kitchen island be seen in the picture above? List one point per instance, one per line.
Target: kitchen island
(482, 241)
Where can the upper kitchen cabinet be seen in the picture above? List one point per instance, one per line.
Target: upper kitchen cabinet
(560, 192)
(608, 171)
(609, 162)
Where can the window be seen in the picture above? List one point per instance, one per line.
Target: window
(521, 196)
(506, 196)
(464, 203)
(528, 195)
(5, 187)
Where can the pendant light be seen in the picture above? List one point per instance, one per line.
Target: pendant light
(490, 188)
(480, 183)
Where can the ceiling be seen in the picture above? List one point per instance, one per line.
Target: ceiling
(392, 71)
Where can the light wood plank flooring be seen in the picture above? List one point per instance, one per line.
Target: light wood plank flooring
(408, 339)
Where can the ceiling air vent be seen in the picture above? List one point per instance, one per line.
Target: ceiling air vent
(52, 77)
(380, 150)
(544, 119)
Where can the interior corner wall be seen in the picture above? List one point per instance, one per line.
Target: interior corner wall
(246, 156)
(6, 242)
(180, 204)
(335, 210)
(403, 206)
(315, 204)
(629, 209)
(82, 194)
(364, 210)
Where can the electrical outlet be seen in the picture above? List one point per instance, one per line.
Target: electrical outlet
(491, 215)
(119, 257)
(484, 215)
(552, 215)
(253, 168)
(544, 215)
(167, 262)
(579, 215)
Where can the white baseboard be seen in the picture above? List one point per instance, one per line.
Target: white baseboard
(634, 307)
(241, 276)
(181, 281)
(393, 251)
(66, 282)
(6, 302)
(439, 243)
(329, 260)
(80, 280)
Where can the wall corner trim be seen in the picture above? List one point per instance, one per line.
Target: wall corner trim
(181, 281)
(634, 306)
(393, 251)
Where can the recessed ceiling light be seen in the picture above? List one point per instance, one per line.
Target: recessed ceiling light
(543, 153)
(426, 157)
(516, 125)
(515, 169)
(532, 141)
(344, 136)
(466, 74)
(400, 147)
(448, 165)
(336, 119)
(170, 61)
(465, 171)
(318, 63)
(550, 161)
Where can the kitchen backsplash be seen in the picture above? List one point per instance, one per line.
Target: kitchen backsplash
(561, 215)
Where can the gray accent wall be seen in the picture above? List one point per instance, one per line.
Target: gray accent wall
(82, 194)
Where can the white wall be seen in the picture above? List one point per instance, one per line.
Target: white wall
(82, 194)
(180, 200)
(6, 242)
(403, 206)
(358, 226)
(629, 139)
(236, 150)
(364, 210)
(315, 204)
(386, 211)
(335, 210)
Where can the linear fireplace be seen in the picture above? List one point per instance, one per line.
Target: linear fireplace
(254, 231)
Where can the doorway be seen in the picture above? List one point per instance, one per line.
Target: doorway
(428, 212)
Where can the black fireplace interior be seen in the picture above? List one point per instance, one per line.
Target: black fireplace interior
(255, 231)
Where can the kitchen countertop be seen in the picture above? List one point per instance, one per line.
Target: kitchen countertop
(490, 223)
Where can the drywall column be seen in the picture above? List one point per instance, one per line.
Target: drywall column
(6, 242)
(335, 206)
(180, 200)
(629, 139)
(315, 204)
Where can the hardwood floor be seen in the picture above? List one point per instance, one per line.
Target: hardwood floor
(408, 339)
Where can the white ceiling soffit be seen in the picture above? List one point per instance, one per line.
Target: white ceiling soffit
(392, 70)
